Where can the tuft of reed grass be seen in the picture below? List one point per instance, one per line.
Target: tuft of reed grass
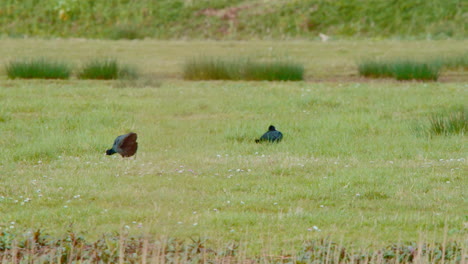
(410, 70)
(40, 68)
(242, 69)
(400, 69)
(106, 69)
(454, 122)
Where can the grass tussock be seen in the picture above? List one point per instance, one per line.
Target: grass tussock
(124, 249)
(454, 122)
(400, 69)
(40, 68)
(242, 69)
(106, 69)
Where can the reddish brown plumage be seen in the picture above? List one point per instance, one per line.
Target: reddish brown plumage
(125, 145)
(129, 145)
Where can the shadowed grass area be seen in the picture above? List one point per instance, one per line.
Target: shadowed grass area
(106, 69)
(242, 69)
(40, 68)
(125, 32)
(400, 69)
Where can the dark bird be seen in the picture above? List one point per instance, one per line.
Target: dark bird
(272, 135)
(125, 145)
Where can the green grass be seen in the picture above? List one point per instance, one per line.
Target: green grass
(106, 69)
(125, 32)
(242, 69)
(400, 69)
(453, 62)
(40, 68)
(239, 19)
(449, 123)
(349, 164)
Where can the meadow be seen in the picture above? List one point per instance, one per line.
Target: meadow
(356, 165)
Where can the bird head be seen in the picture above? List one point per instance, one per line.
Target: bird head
(271, 128)
(110, 152)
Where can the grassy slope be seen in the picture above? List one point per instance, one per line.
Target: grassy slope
(196, 154)
(239, 19)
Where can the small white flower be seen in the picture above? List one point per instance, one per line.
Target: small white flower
(195, 224)
(66, 206)
(179, 223)
(127, 227)
(357, 194)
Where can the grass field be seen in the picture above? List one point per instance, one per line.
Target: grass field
(352, 166)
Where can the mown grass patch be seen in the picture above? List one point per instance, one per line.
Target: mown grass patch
(106, 69)
(40, 68)
(242, 69)
(400, 69)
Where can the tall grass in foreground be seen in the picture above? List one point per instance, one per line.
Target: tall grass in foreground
(242, 69)
(400, 69)
(106, 69)
(124, 249)
(40, 68)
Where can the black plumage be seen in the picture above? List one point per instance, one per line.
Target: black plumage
(125, 145)
(272, 135)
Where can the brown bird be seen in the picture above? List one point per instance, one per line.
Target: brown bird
(125, 145)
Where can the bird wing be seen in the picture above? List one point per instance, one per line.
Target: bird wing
(128, 146)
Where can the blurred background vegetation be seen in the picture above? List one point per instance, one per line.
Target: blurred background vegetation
(234, 19)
